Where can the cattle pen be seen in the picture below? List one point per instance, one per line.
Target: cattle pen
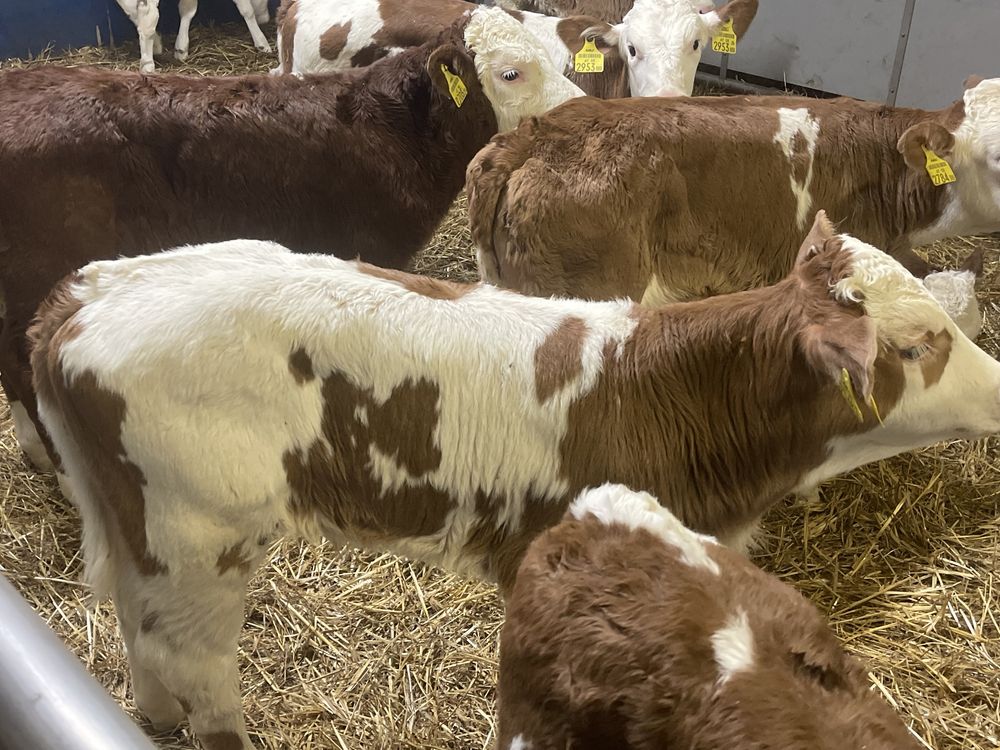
(354, 650)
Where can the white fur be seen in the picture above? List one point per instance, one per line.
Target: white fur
(790, 123)
(29, 440)
(955, 291)
(663, 33)
(617, 504)
(501, 44)
(733, 646)
(145, 14)
(492, 432)
(973, 201)
(519, 743)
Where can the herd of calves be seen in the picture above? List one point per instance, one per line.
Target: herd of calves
(691, 307)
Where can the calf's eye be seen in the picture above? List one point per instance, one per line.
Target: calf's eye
(913, 353)
(631, 51)
(509, 75)
(697, 43)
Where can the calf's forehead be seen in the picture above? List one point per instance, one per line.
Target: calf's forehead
(982, 110)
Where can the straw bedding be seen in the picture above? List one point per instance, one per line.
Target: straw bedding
(353, 650)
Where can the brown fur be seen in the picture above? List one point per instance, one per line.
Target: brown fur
(613, 83)
(222, 741)
(99, 164)
(613, 11)
(594, 198)
(557, 360)
(301, 367)
(933, 364)
(329, 481)
(233, 557)
(423, 285)
(607, 644)
(333, 40)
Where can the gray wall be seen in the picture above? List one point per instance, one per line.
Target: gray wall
(849, 46)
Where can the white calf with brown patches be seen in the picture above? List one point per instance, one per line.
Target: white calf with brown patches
(653, 51)
(206, 400)
(146, 13)
(615, 638)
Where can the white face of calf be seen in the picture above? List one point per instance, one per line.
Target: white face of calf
(514, 69)
(662, 41)
(939, 385)
(968, 136)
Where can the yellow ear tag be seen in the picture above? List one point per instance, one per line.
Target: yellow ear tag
(847, 390)
(725, 39)
(589, 59)
(874, 406)
(455, 86)
(937, 168)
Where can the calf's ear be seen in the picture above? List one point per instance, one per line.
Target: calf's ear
(974, 263)
(929, 134)
(457, 62)
(844, 343)
(742, 13)
(605, 36)
(972, 81)
(822, 230)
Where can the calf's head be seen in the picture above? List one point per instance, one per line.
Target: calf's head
(967, 134)
(662, 41)
(514, 69)
(902, 366)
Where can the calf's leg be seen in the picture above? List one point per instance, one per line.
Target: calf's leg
(181, 629)
(246, 9)
(147, 14)
(187, 10)
(261, 11)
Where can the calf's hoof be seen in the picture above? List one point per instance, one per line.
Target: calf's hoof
(180, 55)
(147, 67)
(263, 47)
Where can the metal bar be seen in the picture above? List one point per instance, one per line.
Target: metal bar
(733, 85)
(48, 701)
(724, 67)
(897, 63)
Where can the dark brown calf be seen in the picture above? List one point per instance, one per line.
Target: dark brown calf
(98, 164)
(626, 630)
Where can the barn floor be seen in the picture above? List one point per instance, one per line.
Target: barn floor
(361, 651)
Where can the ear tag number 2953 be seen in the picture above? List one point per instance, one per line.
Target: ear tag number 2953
(939, 170)
(589, 59)
(725, 40)
(455, 86)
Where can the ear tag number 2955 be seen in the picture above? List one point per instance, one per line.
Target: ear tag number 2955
(938, 169)
(725, 40)
(455, 86)
(589, 59)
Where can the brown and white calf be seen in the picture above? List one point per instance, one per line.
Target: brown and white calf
(677, 199)
(146, 13)
(365, 163)
(653, 51)
(206, 400)
(625, 629)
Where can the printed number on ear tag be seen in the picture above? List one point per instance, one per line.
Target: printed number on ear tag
(725, 40)
(938, 169)
(455, 86)
(589, 59)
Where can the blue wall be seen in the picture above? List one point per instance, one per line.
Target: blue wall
(29, 26)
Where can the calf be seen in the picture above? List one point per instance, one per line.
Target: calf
(357, 163)
(207, 400)
(654, 51)
(626, 630)
(145, 14)
(664, 200)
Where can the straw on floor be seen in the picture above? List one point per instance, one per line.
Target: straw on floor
(355, 650)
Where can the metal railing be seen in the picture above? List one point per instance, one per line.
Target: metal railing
(48, 700)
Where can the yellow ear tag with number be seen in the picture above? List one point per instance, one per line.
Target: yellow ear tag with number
(938, 169)
(847, 390)
(725, 39)
(589, 59)
(455, 86)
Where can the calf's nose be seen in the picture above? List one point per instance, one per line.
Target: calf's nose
(671, 91)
